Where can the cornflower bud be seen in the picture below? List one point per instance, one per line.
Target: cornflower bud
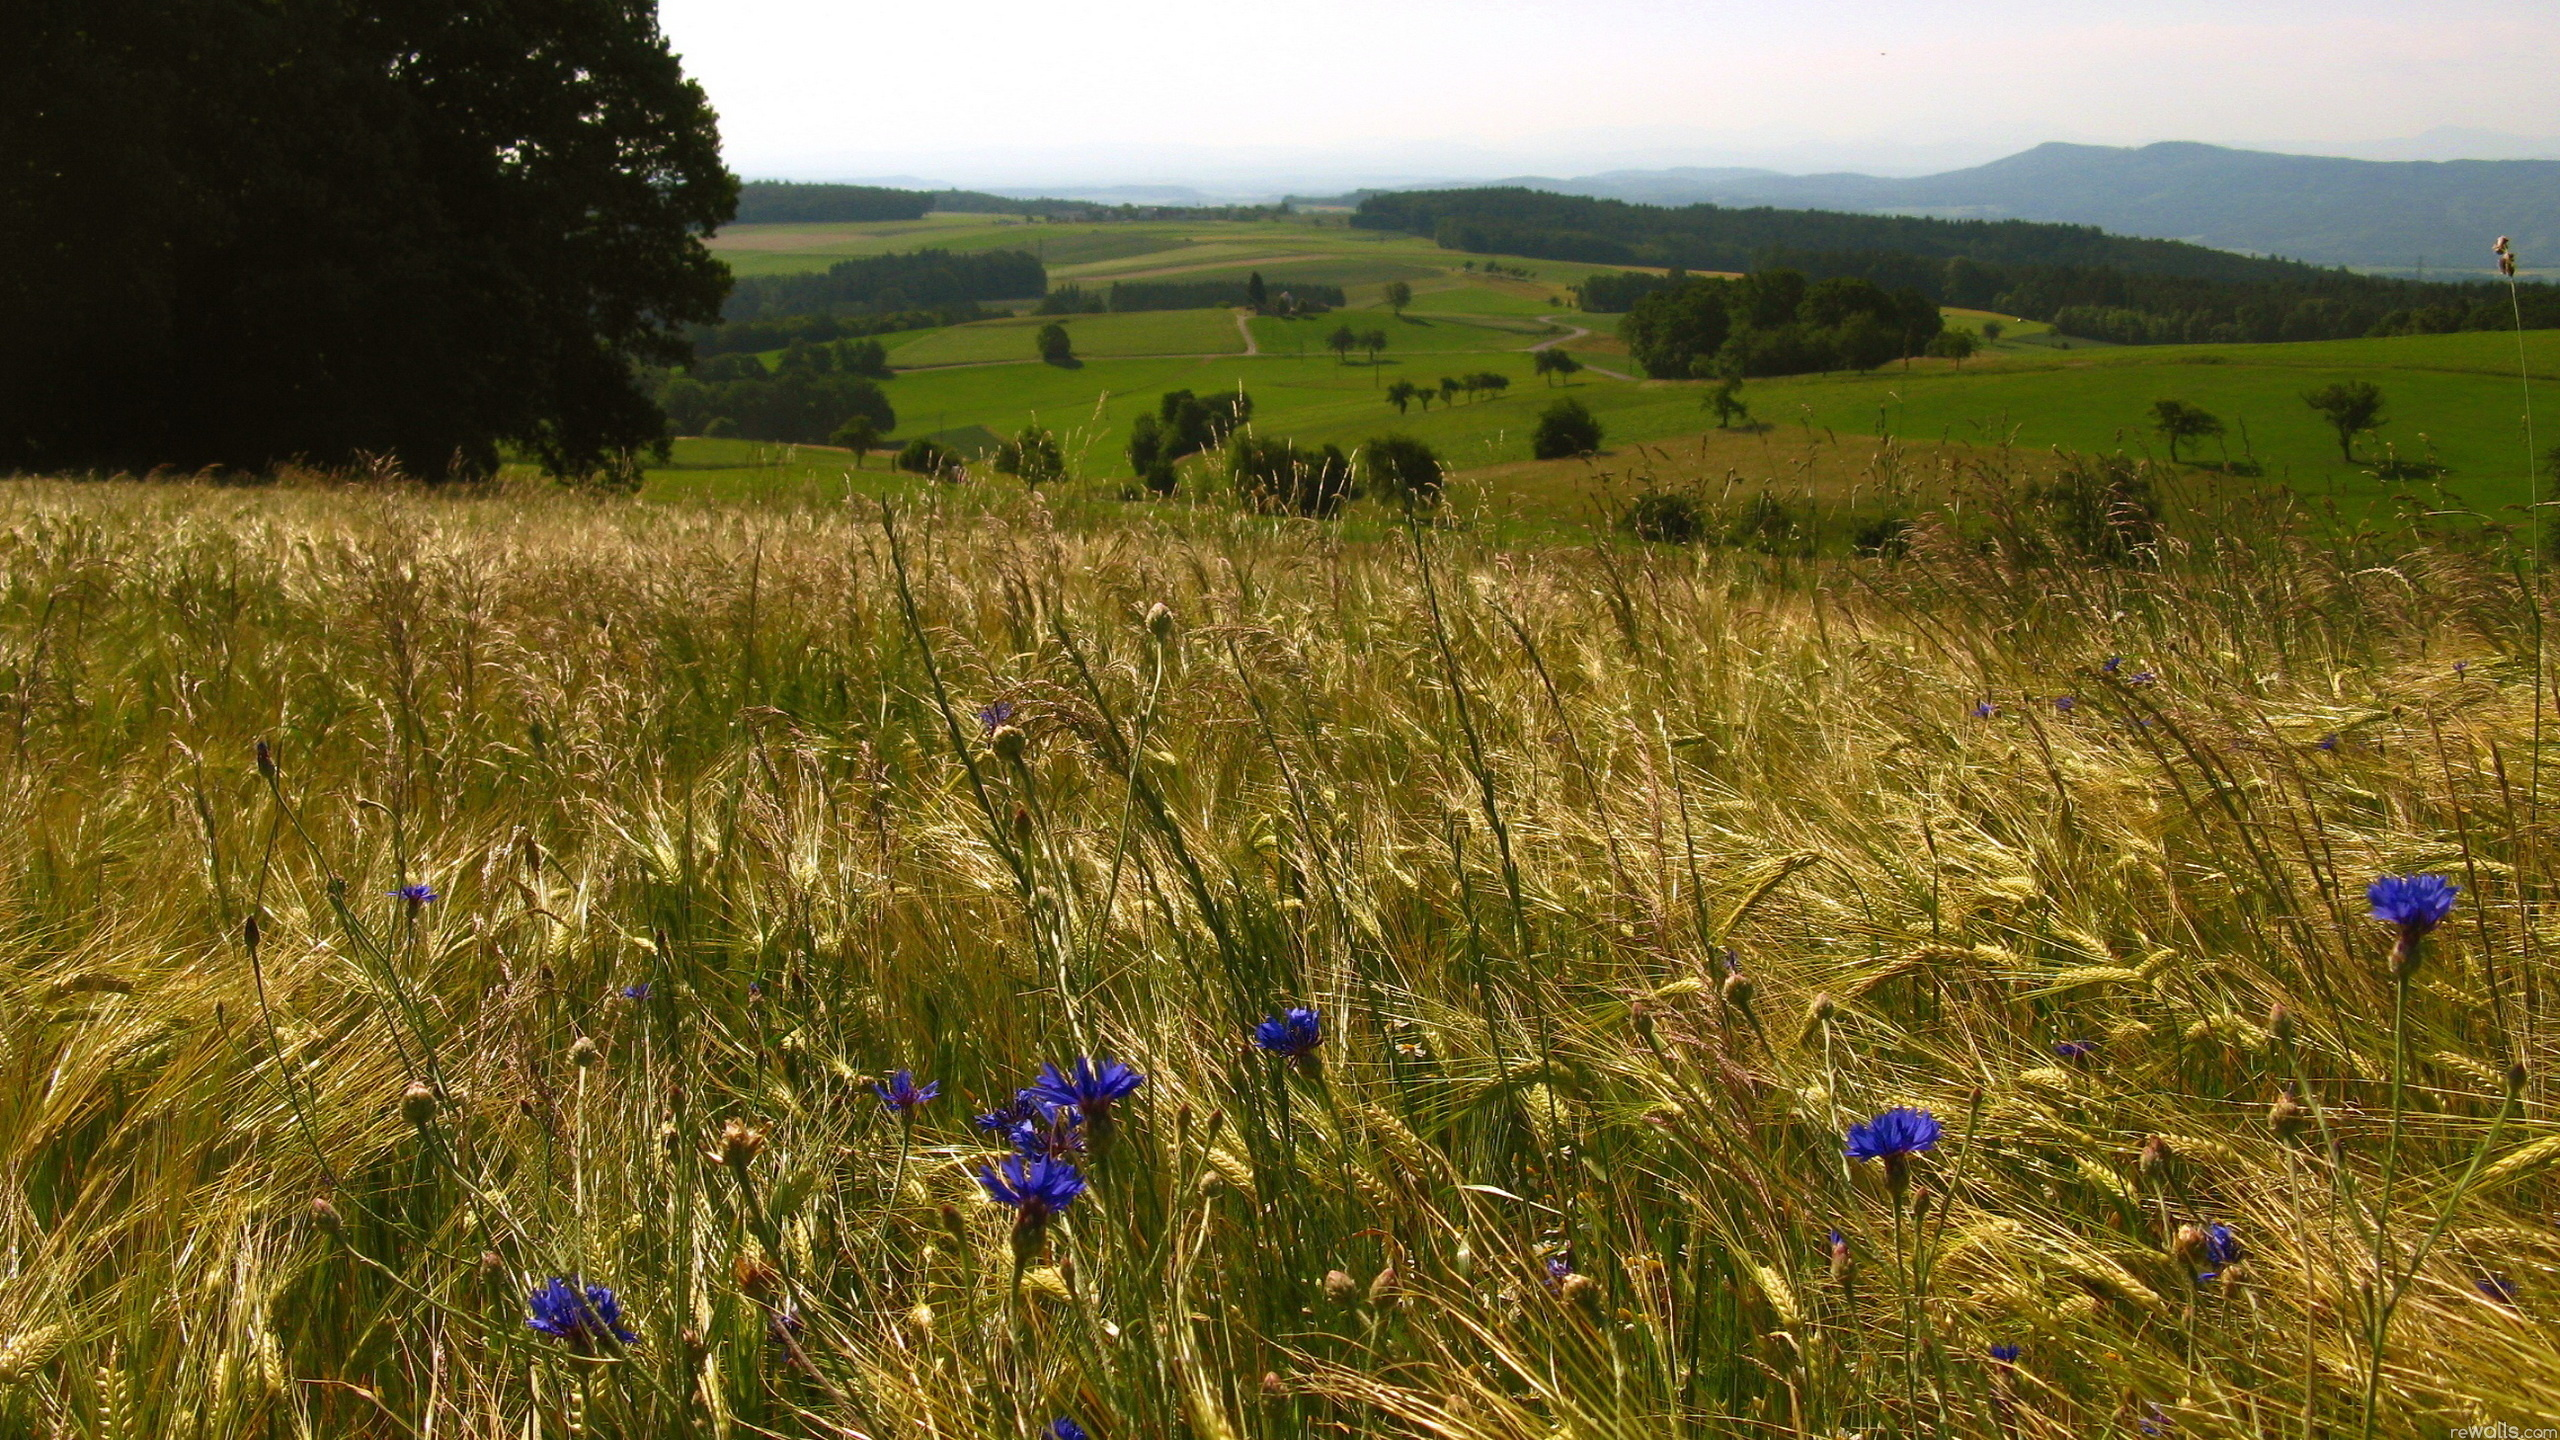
(418, 1104)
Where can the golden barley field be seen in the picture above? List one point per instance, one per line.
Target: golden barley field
(408, 899)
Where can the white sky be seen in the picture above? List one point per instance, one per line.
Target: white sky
(1000, 92)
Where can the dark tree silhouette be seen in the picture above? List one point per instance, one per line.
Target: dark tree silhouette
(241, 232)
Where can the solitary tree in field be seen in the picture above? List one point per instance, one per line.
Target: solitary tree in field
(2351, 407)
(1055, 347)
(1993, 329)
(2178, 422)
(1255, 293)
(1726, 400)
(1399, 295)
(858, 435)
(1401, 394)
(1554, 364)
(1567, 428)
(1342, 342)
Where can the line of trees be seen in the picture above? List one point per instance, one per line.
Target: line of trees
(1135, 295)
(886, 284)
(757, 336)
(783, 202)
(1776, 323)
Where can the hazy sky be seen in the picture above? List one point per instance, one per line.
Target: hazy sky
(999, 92)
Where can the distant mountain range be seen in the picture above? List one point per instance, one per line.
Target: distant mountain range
(2395, 216)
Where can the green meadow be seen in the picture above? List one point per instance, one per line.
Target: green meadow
(2454, 401)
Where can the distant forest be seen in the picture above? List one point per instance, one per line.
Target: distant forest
(885, 284)
(782, 202)
(2079, 279)
(786, 202)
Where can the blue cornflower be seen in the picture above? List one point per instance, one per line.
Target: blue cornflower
(2066, 703)
(2005, 1354)
(2142, 677)
(2113, 664)
(563, 1313)
(417, 895)
(2414, 903)
(2497, 1287)
(2460, 667)
(1984, 710)
(1294, 1034)
(2157, 1422)
(1034, 1127)
(903, 1095)
(1894, 1137)
(1036, 1188)
(996, 714)
(1897, 1133)
(1063, 1428)
(2221, 1248)
(1089, 1089)
(636, 992)
(2074, 1051)
(1039, 1190)
(1557, 1267)
(2325, 742)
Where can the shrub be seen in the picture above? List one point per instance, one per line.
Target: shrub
(1567, 428)
(1886, 536)
(1055, 347)
(1276, 477)
(1402, 466)
(1672, 517)
(923, 457)
(2103, 509)
(1033, 456)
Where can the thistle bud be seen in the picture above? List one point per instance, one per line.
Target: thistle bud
(1738, 990)
(1384, 1289)
(249, 932)
(418, 1104)
(2190, 1245)
(1273, 1387)
(2280, 1022)
(1007, 742)
(266, 760)
(740, 1144)
(1340, 1288)
(1580, 1290)
(584, 1053)
(2288, 1115)
(756, 1278)
(324, 1214)
(2515, 1077)
(2157, 1157)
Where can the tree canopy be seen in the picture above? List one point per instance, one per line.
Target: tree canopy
(243, 232)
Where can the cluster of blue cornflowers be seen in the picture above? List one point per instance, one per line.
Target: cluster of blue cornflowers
(1055, 1118)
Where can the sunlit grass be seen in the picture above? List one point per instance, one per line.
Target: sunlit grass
(1625, 878)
